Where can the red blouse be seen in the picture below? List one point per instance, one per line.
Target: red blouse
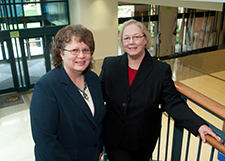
(131, 73)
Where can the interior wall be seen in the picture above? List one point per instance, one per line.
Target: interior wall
(74, 10)
(141, 10)
(100, 16)
(167, 17)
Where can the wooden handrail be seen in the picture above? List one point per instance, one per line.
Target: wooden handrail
(223, 129)
(212, 141)
(201, 99)
(207, 103)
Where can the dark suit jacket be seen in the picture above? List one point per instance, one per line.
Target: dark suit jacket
(63, 127)
(133, 115)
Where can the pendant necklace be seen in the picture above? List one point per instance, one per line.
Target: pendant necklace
(83, 91)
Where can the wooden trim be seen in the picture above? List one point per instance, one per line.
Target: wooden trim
(223, 129)
(212, 141)
(201, 99)
(207, 103)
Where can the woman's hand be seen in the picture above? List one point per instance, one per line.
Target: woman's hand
(203, 130)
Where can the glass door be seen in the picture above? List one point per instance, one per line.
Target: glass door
(6, 66)
(27, 29)
(23, 61)
(37, 57)
(20, 66)
(34, 54)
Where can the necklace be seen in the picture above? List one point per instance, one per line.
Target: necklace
(83, 91)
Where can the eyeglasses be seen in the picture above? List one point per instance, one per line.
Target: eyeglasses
(134, 38)
(77, 51)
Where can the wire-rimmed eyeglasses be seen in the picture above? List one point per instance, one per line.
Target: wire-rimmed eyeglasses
(134, 38)
(77, 51)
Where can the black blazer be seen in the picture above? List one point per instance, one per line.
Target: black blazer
(63, 127)
(133, 115)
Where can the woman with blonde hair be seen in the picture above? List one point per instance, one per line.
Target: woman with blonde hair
(134, 85)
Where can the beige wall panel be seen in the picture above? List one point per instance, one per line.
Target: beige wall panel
(166, 25)
(100, 16)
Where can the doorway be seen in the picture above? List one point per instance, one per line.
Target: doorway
(27, 30)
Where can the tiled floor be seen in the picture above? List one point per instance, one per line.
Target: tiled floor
(202, 72)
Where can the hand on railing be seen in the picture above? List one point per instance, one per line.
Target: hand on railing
(218, 145)
(204, 130)
(206, 133)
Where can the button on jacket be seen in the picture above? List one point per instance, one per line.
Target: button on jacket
(133, 118)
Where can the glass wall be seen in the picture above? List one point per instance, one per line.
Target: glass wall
(27, 28)
(6, 79)
(55, 14)
(195, 29)
(22, 14)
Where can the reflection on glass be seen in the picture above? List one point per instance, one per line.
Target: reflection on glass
(16, 47)
(33, 25)
(55, 14)
(20, 72)
(9, 11)
(154, 10)
(6, 80)
(18, 61)
(7, 1)
(3, 52)
(16, 14)
(32, 9)
(35, 58)
(36, 69)
(180, 10)
(33, 47)
(19, 10)
(126, 11)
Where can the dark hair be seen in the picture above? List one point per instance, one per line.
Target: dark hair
(64, 35)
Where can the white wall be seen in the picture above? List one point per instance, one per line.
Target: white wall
(100, 16)
(74, 10)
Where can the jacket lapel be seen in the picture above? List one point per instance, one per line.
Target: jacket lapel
(75, 95)
(142, 73)
(123, 72)
(94, 94)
